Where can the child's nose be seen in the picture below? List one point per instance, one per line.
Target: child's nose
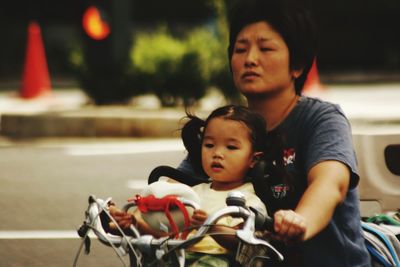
(217, 154)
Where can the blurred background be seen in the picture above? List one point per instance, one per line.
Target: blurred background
(115, 50)
(91, 137)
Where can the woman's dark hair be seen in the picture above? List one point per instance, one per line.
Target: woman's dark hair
(193, 130)
(290, 19)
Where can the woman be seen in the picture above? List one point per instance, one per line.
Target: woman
(315, 206)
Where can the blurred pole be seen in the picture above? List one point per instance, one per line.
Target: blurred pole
(107, 58)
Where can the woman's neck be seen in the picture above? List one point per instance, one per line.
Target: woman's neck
(274, 108)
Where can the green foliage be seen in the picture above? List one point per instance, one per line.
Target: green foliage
(152, 49)
(208, 47)
(177, 70)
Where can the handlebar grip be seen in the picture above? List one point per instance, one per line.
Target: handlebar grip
(263, 222)
(269, 224)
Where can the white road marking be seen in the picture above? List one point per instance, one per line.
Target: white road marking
(41, 234)
(136, 147)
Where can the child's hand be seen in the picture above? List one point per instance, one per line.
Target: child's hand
(198, 217)
(123, 219)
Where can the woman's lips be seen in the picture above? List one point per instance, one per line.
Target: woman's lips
(248, 75)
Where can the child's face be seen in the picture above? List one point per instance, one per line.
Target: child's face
(227, 152)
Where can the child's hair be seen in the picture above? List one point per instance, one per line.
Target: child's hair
(193, 131)
(271, 145)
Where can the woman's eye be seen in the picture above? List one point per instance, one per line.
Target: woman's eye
(265, 49)
(240, 50)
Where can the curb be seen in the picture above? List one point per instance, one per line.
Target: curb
(93, 123)
(121, 122)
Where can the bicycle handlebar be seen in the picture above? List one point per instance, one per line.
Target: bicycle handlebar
(254, 220)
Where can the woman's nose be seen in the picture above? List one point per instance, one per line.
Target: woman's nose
(251, 57)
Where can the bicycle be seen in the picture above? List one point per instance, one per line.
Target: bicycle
(143, 249)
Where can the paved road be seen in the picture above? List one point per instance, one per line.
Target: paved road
(45, 186)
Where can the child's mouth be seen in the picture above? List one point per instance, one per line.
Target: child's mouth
(216, 167)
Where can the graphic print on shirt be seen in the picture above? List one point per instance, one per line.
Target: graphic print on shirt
(289, 156)
(279, 191)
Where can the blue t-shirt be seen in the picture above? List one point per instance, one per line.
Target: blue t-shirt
(313, 132)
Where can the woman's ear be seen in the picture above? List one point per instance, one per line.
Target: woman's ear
(296, 73)
(256, 157)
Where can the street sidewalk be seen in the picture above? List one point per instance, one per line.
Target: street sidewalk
(66, 113)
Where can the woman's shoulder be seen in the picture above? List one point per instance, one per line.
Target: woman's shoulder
(316, 105)
(313, 116)
(312, 111)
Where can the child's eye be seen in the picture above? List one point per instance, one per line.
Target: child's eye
(208, 145)
(230, 147)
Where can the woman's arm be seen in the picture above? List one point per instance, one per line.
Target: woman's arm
(328, 182)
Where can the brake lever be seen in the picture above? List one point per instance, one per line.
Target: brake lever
(249, 238)
(246, 234)
(82, 232)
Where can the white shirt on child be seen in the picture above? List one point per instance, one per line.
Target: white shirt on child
(212, 201)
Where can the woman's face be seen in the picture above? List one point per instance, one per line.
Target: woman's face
(260, 61)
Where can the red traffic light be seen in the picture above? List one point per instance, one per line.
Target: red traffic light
(94, 25)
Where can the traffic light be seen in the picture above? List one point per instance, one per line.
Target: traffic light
(106, 26)
(94, 25)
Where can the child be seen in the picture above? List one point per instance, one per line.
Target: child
(231, 141)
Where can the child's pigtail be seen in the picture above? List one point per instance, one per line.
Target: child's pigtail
(191, 135)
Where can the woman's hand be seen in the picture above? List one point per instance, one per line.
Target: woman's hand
(289, 226)
(198, 217)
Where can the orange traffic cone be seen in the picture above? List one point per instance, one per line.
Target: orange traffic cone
(313, 85)
(35, 80)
